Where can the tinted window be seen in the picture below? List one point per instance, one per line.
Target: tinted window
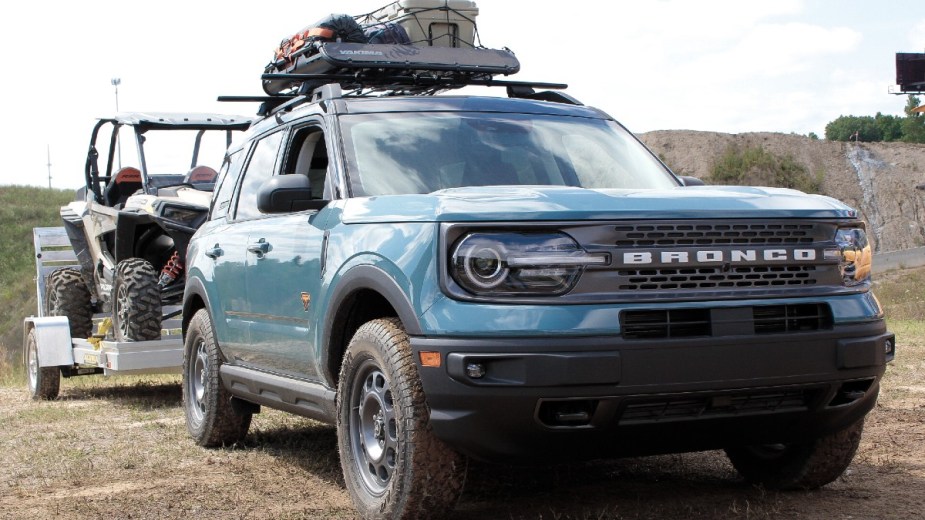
(260, 167)
(421, 152)
(231, 170)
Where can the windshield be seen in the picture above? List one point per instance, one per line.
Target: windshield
(422, 152)
(171, 156)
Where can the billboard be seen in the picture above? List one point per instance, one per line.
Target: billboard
(910, 72)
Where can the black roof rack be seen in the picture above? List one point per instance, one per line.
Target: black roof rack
(366, 65)
(387, 69)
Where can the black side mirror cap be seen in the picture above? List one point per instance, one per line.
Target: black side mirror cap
(691, 181)
(287, 194)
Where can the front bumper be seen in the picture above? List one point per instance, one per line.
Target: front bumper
(545, 399)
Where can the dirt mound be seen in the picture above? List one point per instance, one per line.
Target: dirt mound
(881, 180)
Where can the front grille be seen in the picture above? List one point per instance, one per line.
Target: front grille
(776, 319)
(675, 323)
(752, 403)
(711, 234)
(717, 277)
(689, 323)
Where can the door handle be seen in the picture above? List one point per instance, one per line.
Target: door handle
(214, 252)
(260, 248)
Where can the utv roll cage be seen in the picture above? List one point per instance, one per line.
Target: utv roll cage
(98, 183)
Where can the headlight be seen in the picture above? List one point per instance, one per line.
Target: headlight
(853, 255)
(491, 264)
(180, 214)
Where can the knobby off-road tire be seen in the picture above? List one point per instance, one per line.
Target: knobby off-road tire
(394, 466)
(66, 294)
(805, 465)
(44, 382)
(136, 301)
(210, 417)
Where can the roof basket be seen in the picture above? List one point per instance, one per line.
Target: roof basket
(374, 66)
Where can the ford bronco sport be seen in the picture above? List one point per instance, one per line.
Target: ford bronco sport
(516, 279)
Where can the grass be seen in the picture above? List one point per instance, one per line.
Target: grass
(758, 167)
(21, 209)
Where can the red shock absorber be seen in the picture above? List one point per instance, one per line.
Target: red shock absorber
(171, 271)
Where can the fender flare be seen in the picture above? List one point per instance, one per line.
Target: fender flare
(365, 277)
(194, 288)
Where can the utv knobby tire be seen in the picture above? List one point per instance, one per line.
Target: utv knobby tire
(804, 465)
(211, 418)
(66, 294)
(394, 466)
(44, 382)
(136, 301)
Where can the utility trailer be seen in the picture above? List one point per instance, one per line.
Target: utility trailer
(49, 350)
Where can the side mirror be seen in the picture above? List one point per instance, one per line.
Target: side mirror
(287, 194)
(691, 181)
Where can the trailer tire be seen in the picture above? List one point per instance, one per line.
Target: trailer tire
(136, 301)
(211, 418)
(66, 294)
(44, 382)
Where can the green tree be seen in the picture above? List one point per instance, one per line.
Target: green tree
(913, 125)
(851, 128)
(890, 127)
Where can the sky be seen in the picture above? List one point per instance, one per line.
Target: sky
(729, 66)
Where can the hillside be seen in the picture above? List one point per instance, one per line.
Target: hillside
(879, 179)
(21, 209)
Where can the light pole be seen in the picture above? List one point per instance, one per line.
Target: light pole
(115, 83)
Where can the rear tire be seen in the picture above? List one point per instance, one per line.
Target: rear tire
(66, 294)
(44, 382)
(136, 301)
(801, 465)
(210, 417)
(394, 466)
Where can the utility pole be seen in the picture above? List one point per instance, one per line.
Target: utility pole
(49, 165)
(115, 83)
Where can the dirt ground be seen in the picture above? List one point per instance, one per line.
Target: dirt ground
(115, 449)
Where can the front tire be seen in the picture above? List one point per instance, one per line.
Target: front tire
(210, 417)
(799, 465)
(394, 466)
(136, 301)
(44, 382)
(67, 295)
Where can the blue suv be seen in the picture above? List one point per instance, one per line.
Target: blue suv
(519, 279)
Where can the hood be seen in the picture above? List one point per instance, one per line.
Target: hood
(553, 203)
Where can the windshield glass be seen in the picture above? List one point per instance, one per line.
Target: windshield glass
(175, 152)
(422, 152)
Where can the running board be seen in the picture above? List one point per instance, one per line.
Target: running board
(299, 397)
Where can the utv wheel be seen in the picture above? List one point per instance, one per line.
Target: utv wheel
(44, 382)
(394, 466)
(806, 465)
(66, 294)
(136, 301)
(210, 417)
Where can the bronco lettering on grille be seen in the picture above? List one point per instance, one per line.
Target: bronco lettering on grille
(732, 256)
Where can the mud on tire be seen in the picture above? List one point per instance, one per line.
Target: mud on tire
(805, 465)
(394, 466)
(66, 294)
(136, 301)
(210, 417)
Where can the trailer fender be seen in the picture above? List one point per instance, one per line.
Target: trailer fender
(52, 340)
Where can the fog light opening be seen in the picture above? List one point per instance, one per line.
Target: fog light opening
(850, 392)
(475, 370)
